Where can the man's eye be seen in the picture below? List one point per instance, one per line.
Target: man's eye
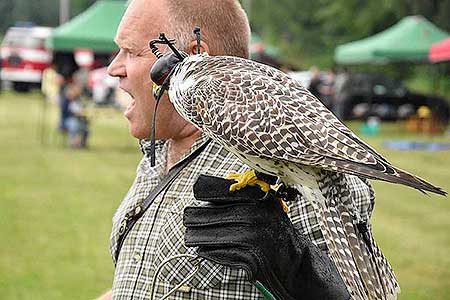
(113, 56)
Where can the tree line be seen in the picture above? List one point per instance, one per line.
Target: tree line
(42, 12)
(303, 29)
(310, 30)
(306, 31)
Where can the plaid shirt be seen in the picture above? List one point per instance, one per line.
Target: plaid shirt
(159, 233)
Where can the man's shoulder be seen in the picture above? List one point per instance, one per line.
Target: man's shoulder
(217, 158)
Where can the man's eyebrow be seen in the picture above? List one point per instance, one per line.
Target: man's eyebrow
(120, 45)
(143, 50)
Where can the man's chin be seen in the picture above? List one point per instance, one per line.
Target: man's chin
(138, 132)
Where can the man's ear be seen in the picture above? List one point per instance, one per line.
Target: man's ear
(193, 47)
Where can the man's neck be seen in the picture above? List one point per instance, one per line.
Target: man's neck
(179, 146)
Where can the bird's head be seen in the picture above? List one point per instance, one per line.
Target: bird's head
(163, 68)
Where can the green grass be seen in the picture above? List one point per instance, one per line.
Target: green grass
(56, 206)
(413, 229)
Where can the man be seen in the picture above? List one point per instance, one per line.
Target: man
(159, 232)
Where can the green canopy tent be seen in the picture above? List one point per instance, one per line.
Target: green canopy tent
(96, 27)
(408, 40)
(93, 29)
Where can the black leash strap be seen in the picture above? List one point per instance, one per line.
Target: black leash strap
(129, 221)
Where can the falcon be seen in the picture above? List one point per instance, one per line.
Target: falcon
(278, 128)
(270, 122)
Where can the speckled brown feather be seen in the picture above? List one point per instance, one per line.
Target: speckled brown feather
(258, 111)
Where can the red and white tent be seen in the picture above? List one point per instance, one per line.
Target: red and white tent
(440, 51)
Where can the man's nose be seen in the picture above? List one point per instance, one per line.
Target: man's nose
(117, 67)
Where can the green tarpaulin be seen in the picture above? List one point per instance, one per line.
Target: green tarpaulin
(408, 40)
(93, 29)
(96, 28)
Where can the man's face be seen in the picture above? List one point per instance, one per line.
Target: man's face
(132, 65)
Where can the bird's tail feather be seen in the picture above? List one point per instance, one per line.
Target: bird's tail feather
(359, 261)
(359, 268)
(337, 253)
(390, 174)
(419, 183)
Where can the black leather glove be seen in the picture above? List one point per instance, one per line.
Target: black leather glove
(237, 229)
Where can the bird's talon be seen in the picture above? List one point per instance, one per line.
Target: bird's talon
(235, 187)
(265, 187)
(234, 176)
(284, 206)
(247, 178)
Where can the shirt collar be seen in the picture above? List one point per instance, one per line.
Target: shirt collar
(200, 141)
(160, 147)
(145, 145)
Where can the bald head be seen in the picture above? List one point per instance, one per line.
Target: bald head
(143, 20)
(224, 24)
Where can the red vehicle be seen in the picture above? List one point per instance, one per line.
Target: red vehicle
(24, 56)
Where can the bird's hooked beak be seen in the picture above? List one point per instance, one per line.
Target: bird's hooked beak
(156, 90)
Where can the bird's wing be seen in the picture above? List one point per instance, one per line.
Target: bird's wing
(262, 112)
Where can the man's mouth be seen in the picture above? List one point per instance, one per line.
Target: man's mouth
(130, 107)
(126, 91)
(131, 104)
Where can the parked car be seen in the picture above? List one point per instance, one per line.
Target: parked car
(24, 56)
(377, 95)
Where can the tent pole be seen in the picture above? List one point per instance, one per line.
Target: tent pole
(64, 11)
(247, 7)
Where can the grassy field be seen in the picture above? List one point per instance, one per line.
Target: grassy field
(56, 206)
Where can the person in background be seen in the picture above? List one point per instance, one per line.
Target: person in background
(63, 102)
(315, 81)
(341, 90)
(326, 89)
(65, 66)
(76, 121)
(80, 77)
(1, 64)
(51, 82)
